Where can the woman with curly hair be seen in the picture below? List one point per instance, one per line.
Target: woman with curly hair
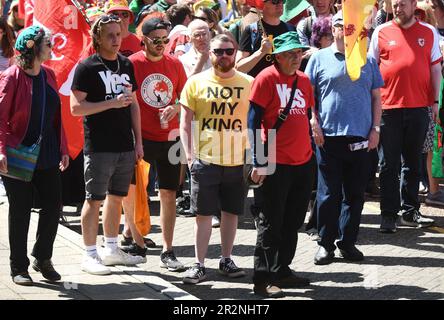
(30, 116)
(321, 36)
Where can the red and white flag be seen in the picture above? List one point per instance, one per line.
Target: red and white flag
(70, 35)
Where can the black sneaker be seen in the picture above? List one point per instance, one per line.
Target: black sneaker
(169, 261)
(228, 268)
(388, 224)
(47, 270)
(415, 219)
(23, 279)
(135, 250)
(183, 207)
(128, 241)
(195, 274)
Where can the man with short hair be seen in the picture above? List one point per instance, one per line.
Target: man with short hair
(197, 59)
(345, 128)
(161, 78)
(215, 104)
(255, 45)
(101, 94)
(408, 54)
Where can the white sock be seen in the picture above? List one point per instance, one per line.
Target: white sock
(111, 243)
(91, 251)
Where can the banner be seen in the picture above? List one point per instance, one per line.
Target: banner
(70, 34)
(358, 16)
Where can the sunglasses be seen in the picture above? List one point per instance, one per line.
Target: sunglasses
(220, 52)
(122, 14)
(200, 18)
(275, 2)
(104, 19)
(158, 41)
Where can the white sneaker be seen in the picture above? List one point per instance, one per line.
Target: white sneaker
(215, 222)
(111, 258)
(94, 265)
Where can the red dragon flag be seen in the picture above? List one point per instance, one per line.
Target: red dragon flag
(358, 15)
(70, 34)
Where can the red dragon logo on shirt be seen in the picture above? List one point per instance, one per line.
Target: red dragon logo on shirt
(159, 88)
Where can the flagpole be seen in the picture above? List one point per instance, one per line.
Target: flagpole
(81, 10)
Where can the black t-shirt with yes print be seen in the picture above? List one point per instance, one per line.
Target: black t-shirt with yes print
(110, 130)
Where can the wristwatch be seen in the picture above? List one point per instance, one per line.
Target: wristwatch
(377, 128)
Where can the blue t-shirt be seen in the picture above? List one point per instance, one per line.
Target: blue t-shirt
(344, 106)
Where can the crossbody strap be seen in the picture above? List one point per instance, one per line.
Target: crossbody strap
(284, 114)
(42, 119)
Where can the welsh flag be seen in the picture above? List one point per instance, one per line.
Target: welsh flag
(69, 37)
(358, 15)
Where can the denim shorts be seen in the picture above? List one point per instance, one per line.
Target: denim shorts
(108, 173)
(216, 188)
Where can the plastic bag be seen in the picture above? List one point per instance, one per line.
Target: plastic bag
(142, 211)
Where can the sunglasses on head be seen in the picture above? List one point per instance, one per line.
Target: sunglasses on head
(104, 19)
(220, 52)
(275, 1)
(158, 41)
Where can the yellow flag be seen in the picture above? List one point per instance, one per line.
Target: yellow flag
(358, 15)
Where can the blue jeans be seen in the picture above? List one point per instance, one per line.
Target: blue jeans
(342, 179)
(402, 136)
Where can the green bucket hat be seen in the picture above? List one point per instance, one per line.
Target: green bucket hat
(26, 38)
(287, 41)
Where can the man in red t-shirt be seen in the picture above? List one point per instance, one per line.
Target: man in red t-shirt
(161, 78)
(130, 42)
(408, 54)
(287, 190)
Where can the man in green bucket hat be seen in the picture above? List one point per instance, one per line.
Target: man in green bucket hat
(281, 91)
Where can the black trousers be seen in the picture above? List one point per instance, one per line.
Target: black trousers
(47, 184)
(286, 196)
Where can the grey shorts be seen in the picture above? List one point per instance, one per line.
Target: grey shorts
(108, 173)
(216, 188)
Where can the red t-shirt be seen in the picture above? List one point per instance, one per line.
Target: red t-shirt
(130, 45)
(160, 84)
(271, 91)
(405, 57)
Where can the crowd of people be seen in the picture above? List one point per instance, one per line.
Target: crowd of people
(192, 87)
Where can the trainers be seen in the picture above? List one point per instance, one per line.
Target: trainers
(422, 188)
(47, 270)
(135, 250)
(415, 219)
(126, 241)
(195, 274)
(22, 279)
(215, 222)
(388, 224)
(169, 261)
(118, 257)
(183, 207)
(94, 265)
(435, 199)
(268, 291)
(228, 268)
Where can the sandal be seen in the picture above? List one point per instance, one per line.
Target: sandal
(149, 243)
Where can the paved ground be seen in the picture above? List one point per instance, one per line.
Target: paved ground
(406, 265)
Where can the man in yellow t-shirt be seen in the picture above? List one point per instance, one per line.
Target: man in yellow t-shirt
(214, 123)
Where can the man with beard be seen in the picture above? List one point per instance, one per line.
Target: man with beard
(161, 78)
(216, 101)
(408, 55)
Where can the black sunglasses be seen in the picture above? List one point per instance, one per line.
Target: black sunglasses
(275, 1)
(158, 41)
(220, 52)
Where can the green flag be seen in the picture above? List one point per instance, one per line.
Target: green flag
(292, 8)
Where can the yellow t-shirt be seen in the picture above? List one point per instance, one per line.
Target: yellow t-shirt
(220, 107)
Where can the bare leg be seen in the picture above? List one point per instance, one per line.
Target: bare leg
(167, 217)
(90, 221)
(228, 228)
(202, 230)
(433, 182)
(112, 211)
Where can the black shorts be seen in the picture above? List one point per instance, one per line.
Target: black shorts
(168, 173)
(216, 188)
